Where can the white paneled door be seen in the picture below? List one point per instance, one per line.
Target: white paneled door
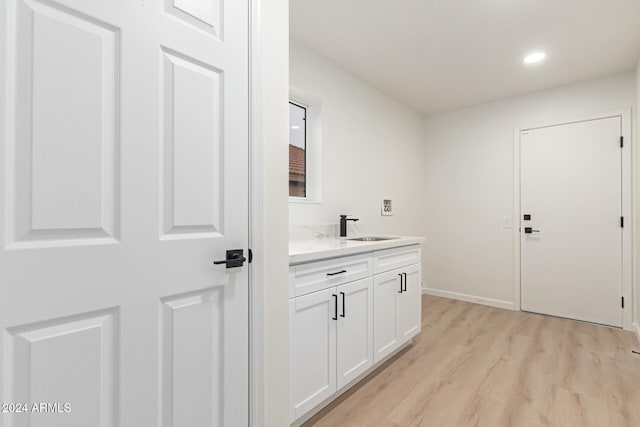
(571, 234)
(124, 144)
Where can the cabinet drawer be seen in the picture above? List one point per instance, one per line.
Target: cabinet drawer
(390, 259)
(315, 276)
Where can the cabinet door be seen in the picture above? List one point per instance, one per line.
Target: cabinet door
(312, 350)
(386, 289)
(355, 330)
(409, 304)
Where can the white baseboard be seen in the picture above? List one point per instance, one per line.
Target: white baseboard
(636, 330)
(508, 305)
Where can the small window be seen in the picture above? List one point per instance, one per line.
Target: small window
(305, 147)
(297, 150)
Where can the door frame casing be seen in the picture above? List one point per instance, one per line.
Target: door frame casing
(629, 208)
(256, 192)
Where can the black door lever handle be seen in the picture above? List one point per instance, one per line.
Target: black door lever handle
(235, 258)
(529, 230)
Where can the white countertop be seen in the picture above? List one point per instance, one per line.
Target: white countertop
(328, 247)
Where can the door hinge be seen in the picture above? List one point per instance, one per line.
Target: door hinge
(622, 302)
(250, 256)
(621, 141)
(621, 222)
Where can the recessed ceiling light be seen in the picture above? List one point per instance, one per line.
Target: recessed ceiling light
(534, 57)
(295, 127)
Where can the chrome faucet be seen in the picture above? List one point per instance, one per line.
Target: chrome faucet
(343, 224)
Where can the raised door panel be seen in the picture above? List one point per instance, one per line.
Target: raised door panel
(205, 15)
(409, 304)
(192, 343)
(63, 127)
(65, 370)
(312, 350)
(386, 287)
(355, 330)
(192, 166)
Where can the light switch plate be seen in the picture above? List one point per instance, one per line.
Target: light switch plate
(387, 207)
(507, 222)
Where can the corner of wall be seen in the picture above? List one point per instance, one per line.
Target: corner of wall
(274, 17)
(636, 174)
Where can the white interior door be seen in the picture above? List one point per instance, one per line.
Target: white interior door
(571, 247)
(123, 176)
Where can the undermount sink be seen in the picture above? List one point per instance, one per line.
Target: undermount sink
(371, 239)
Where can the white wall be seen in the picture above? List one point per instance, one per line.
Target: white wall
(275, 248)
(372, 149)
(469, 182)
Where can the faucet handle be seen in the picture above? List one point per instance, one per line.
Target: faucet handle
(346, 215)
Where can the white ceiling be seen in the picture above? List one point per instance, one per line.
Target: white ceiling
(439, 55)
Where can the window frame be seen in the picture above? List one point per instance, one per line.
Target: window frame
(313, 145)
(306, 146)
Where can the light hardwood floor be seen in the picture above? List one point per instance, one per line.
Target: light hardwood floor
(474, 365)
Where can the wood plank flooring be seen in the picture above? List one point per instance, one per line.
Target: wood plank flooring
(474, 365)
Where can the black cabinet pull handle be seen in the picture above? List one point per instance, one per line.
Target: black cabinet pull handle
(405, 281)
(343, 305)
(400, 283)
(335, 305)
(337, 272)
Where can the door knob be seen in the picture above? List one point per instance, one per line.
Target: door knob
(235, 258)
(529, 230)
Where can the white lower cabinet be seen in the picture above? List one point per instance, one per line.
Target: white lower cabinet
(396, 307)
(331, 342)
(312, 350)
(385, 288)
(339, 333)
(409, 322)
(355, 330)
